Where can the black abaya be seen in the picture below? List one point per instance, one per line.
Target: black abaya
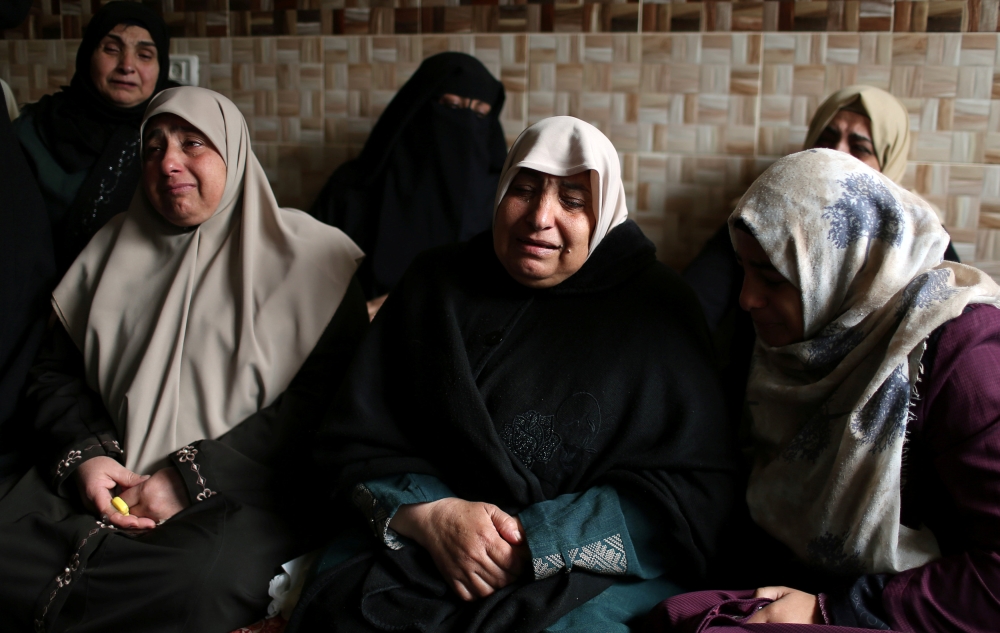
(474, 379)
(206, 568)
(27, 274)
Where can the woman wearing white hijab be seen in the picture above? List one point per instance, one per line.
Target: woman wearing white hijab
(199, 333)
(515, 449)
(874, 405)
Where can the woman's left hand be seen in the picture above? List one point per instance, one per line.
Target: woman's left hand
(158, 498)
(790, 606)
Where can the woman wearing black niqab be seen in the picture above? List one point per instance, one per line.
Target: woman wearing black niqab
(84, 147)
(427, 173)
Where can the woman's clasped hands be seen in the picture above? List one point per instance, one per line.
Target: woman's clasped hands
(476, 546)
(151, 499)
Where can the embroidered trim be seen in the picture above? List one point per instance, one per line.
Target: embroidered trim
(110, 447)
(187, 454)
(532, 437)
(66, 577)
(72, 457)
(548, 565)
(606, 556)
(377, 516)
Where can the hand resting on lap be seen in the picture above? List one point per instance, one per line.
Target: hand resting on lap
(159, 497)
(790, 606)
(477, 547)
(96, 478)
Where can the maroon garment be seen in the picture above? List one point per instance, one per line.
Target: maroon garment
(952, 484)
(713, 611)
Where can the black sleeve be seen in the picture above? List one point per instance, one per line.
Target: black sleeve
(950, 255)
(859, 605)
(70, 419)
(715, 276)
(265, 452)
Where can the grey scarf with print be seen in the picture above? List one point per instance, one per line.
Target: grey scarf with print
(830, 413)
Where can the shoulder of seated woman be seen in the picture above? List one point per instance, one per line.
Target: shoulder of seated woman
(948, 358)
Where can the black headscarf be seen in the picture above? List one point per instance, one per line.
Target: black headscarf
(514, 396)
(427, 174)
(13, 12)
(84, 131)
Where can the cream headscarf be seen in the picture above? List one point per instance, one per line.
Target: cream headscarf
(564, 146)
(830, 413)
(890, 124)
(186, 332)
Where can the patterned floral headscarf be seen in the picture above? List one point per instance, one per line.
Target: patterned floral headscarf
(830, 413)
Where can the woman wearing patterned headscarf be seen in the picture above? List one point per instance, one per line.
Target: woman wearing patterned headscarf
(83, 142)
(890, 495)
(516, 452)
(863, 121)
(199, 334)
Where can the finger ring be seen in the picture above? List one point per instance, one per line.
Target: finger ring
(120, 505)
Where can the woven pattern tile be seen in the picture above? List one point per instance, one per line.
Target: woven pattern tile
(698, 97)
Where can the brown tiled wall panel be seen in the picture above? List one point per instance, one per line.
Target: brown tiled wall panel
(699, 97)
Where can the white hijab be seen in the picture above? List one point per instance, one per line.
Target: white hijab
(565, 146)
(186, 332)
(830, 413)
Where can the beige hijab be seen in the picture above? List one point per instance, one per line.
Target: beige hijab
(564, 146)
(186, 332)
(890, 124)
(830, 413)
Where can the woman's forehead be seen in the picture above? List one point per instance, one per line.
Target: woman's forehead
(579, 181)
(169, 122)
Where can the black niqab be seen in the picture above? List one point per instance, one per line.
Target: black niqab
(427, 174)
(83, 131)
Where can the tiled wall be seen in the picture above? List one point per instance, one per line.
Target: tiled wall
(698, 97)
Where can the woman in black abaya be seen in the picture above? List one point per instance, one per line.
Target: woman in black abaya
(427, 173)
(533, 429)
(27, 274)
(82, 143)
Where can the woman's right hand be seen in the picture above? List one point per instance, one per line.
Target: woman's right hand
(476, 546)
(97, 478)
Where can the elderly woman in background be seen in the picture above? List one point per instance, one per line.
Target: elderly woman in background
(855, 314)
(863, 121)
(198, 335)
(83, 142)
(533, 430)
(427, 173)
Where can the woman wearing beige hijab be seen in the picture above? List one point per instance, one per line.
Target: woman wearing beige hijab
(532, 430)
(867, 123)
(198, 335)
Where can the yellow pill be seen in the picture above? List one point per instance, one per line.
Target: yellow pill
(120, 505)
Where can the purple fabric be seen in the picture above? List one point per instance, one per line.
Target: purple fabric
(724, 612)
(952, 484)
